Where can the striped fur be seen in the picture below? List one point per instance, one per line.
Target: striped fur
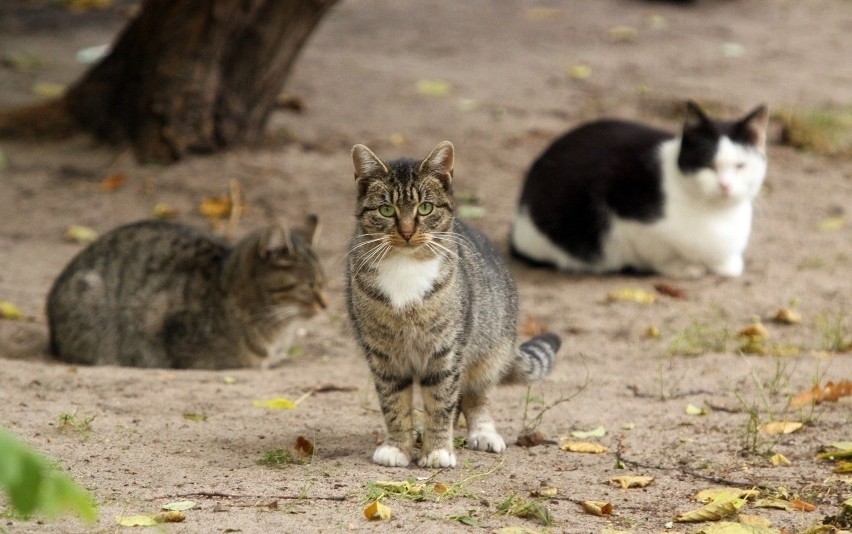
(432, 305)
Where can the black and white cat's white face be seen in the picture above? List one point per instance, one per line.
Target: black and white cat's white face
(723, 161)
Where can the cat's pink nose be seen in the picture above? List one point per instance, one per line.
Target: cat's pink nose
(406, 234)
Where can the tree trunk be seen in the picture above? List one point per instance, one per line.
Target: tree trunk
(194, 75)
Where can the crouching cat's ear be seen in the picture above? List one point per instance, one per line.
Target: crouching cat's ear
(276, 245)
(440, 162)
(752, 128)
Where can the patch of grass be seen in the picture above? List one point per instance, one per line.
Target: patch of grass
(518, 506)
(699, 339)
(826, 130)
(278, 458)
(75, 423)
(835, 335)
(530, 424)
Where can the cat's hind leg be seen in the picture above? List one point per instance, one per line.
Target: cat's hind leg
(733, 266)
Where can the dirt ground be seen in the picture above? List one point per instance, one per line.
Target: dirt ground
(500, 80)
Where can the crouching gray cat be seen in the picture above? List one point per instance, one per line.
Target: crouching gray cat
(161, 294)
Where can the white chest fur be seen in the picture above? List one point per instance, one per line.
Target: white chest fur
(406, 280)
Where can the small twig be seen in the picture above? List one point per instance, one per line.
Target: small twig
(636, 393)
(214, 494)
(720, 408)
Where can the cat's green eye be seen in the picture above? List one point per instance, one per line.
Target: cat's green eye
(387, 210)
(425, 208)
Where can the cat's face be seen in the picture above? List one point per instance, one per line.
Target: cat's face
(405, 206)
(724, 161)
(287, 272)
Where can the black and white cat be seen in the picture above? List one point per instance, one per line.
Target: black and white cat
(613, 195)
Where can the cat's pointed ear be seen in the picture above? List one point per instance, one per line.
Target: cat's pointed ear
(440, 162)
(313, 229)
(275, 244)
(694, 116)
(752, 129)
(366, 163)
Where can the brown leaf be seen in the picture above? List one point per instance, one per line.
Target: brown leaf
(583, 446)
(627, 481)
(831, 392)
(786, 316)
(802, 506)
(170, 516)
(670, 290)
(755, 331)
(532, 327)
(530, 438)
(598, 508)
(304, 447)
(725, 493)
(113, 182)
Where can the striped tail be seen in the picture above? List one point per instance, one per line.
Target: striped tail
(534, 358)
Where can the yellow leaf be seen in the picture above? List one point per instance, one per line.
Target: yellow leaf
(583, 446)
(48, 89)
(135, 521)
(580, 71)
(728, 527)
(170, 516)
(215, 207)
(627, 481)
(80, 234)
(377, 510)
(632, 294)
(780, 427)
(754, 521)
(652, 332)
(598, 508)
(779, 459)
(164, 211)
(843, 468)
(831, 224)
(725, 493)
(598, 432)
(712, 511)
(691, 409)
(548, 492)
(787, 316)
(278, 403)
(434, 87)
(779, 504)
(179, 506)
(623, 33)
(755, 331)
(9, 310)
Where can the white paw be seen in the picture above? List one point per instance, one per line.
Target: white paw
(732, 267)
(438, 458)
(390, 456)
(486, 440)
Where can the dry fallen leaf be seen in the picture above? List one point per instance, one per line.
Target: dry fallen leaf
(80, 234)
(598, 508)
(632, 294)
(754, 521)
(843, 468)
(580, 71)
(434, 87)
(755, 331)
(215, 207)
(598, 432)
(779, 459)
(832, 224)
(170, 516)
(376, 510)
(729, 527)
(628, 481)
(304, 447)
(831, 392)
(787, 316)
(163, 211)
(802, 506)
(583, 446)
(113, 182)
(179, 506)
(725, 493)
(532, 327)
(623, 34)
(278, 403)
(670, 290)
(691, 409)
(547, 492)
(135, 521)
(440, 488)
(777, 428)
(712, 511)
(530, 438)
(652, 332)
(9, 311)
(778, 504)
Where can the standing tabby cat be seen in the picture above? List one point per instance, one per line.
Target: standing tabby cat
(431, 303)
(160, 294)
(611, 195)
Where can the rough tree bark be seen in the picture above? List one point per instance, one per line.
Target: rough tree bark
(193, 75)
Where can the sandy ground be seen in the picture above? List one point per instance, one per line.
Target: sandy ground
(505, 68)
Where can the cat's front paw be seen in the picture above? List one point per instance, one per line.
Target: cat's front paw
(390, 456)
(487, 440)
(733, 266)
(438, 458)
